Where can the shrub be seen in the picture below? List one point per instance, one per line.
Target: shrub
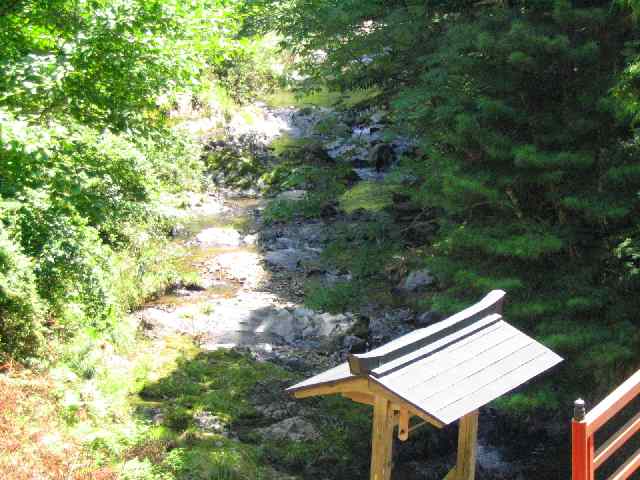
(70, 263)
(335, 298)
(21, 309)
(74, 197)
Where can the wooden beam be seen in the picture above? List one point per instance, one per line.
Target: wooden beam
(356, 384)
(382, 441)
(467, 447)
(360, 397)
(403, 425)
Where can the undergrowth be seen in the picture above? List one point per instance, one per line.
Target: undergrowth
(132, 409)
(33, 439)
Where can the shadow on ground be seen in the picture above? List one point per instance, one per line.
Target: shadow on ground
(211, 410)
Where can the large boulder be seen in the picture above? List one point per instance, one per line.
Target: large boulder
(304, 324)
(417, 280)
(313, 324)
(210, 423)
(295, 429)
(290, 259)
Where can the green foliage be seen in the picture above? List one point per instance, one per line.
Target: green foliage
(101, 63)
(204, 463)
(247, 70)
(218, 382)
(233, 168)
(302, 98)
(84, 150)
(176, 161)
(371, 196)
(21, 309)
(73, 198)
(323, 186)
(334, 298)
(531, 188)
(525, 118)
(278, 211)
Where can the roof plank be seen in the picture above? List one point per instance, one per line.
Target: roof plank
(425, 369)
(457, 338)
(470, 376)
(365, 362)
(491, 391)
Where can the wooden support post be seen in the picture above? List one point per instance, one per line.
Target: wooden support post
(403, 424)
(382, 441)
(467, 445)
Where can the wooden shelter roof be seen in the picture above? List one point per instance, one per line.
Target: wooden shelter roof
(446, 370)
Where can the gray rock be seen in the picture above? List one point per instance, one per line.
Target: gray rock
(305, 324)
(283, 324)
(313, 233)
(250, 239)
(315, 325)
(152, 413)
(211, 423)
(417, 280)
(285, 243)
(335, 144)
(348, 152)
(294, 429)
(369, 174)
(377, 117)
(330, 325)
(178, 230)
(292, 195)
(332, 278)
(492, 462)
(389, 325)
(287, 259)
(427, 318)
(353, 344)
(277, 410)
(367, 134)
(158, 418)
(303, 313)
(219, 237)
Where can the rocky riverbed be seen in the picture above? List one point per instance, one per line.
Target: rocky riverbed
(249, 293)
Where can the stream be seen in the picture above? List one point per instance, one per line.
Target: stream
(249, 294)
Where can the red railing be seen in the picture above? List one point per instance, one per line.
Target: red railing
(585, 459)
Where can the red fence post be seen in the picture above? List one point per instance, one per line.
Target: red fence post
(581, 445)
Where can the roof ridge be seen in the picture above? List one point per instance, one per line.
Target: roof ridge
(364, 363)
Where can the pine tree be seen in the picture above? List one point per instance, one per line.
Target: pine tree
(537, 174)
(525, 111)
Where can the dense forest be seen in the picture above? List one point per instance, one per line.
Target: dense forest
(519, 171)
